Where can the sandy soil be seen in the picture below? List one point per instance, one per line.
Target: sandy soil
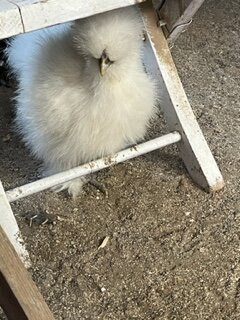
(173, 251)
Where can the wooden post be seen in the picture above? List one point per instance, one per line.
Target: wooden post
(19, 296)
(176, 15)
(178, 113)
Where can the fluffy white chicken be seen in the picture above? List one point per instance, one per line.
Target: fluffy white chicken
(83, 93)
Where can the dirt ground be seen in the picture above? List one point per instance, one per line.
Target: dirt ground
(173, 251)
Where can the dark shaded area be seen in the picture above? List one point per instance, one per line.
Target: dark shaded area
(9, 303)
(4, 70)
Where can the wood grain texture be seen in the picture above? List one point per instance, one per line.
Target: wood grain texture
(27, 15)
(178, 14)
(19, 286)
(193, 147)
(8, 301)
(10, 20)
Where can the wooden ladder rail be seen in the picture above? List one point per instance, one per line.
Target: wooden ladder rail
(19, 297)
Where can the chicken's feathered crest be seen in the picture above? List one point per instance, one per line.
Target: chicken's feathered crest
(115, 32)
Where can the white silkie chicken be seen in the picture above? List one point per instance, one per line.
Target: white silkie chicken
(83, 93)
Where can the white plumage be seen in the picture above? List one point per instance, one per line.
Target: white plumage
(83, 93)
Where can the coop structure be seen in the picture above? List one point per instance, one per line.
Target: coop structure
(164, 21)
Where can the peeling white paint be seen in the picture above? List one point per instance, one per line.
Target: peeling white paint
(17, 16)
(10, 227)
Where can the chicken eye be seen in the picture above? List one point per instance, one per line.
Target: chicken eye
(108, 61)
(104, 57)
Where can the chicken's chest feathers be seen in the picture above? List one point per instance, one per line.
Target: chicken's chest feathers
(109, 118)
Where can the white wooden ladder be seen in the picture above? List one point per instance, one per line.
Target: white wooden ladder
(182, 124)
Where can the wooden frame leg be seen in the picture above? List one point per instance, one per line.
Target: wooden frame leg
(19, 296)
(10, 227)
(193, 147)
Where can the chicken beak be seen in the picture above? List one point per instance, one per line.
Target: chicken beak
(104, 63)
(103, 67)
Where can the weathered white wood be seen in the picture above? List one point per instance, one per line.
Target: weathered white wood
(193, 147)
(28, 15)
(19, 297)
(189, 12)
(10, 227)
(10, 19)
(178, 14)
